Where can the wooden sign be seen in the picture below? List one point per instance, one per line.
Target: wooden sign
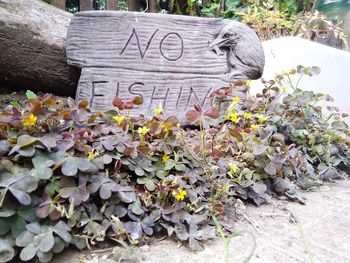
(168, 60)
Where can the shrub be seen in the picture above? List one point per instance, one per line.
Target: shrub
(271, 23)
(73, 176)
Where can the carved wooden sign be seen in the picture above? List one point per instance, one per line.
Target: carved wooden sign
(170, 60)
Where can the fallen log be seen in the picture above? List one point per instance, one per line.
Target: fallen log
(32, 47)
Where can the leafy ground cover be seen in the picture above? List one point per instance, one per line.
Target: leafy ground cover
(70, 176)
(284, 231)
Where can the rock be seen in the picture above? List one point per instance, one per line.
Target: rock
(32, 44)
(289, 52)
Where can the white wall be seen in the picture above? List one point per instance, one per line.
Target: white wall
(289, 52)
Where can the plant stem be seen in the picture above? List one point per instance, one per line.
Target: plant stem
(182, 138)
(301, 75)
(223, 237)
(290, 83)
(228, 239)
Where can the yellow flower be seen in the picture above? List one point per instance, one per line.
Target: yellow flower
(233, 167)
(92, 154)
(254, 126)
(180, 194)
(119, 119)
(165, 158)
(165, 127)
(247, 82)
(234, 118)
(142, 131)
(284, 88)
(247, 115)
(13, 140)
(236, 99)
(217, 146)
(261, 118)
(30, 120)
(158, 110)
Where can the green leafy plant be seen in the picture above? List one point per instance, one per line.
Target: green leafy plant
(71, 176)
(269, 22)
(317, 27)
(271, 19)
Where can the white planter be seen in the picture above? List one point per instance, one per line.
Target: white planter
(289, 52)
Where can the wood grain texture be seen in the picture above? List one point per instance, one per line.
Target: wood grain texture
(176, 93)
(165, 59)
(145, 42)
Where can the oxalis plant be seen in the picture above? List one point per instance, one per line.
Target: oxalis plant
(70, 176)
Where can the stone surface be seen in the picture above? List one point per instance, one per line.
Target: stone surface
(289, 52)
(170, 60)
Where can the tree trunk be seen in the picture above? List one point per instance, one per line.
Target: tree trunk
(111, 4)
(86, 5)
(153, 6)
(134, 5)
(32, 44)
(59, 3)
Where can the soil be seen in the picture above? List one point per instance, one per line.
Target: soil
(7, 96)
(284, 231)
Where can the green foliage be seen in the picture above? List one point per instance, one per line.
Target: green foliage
(212, 9)
(72, 6)
(73, 176)
(271, 19)
(267, 21)
(316, 26)
(30, 95)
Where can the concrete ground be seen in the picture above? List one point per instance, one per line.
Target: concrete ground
(285, 232)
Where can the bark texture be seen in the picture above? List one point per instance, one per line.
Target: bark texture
(59, 4)
(86, 5)
(112, 5)
(153, 6)
(32, 47)
(134, 5)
